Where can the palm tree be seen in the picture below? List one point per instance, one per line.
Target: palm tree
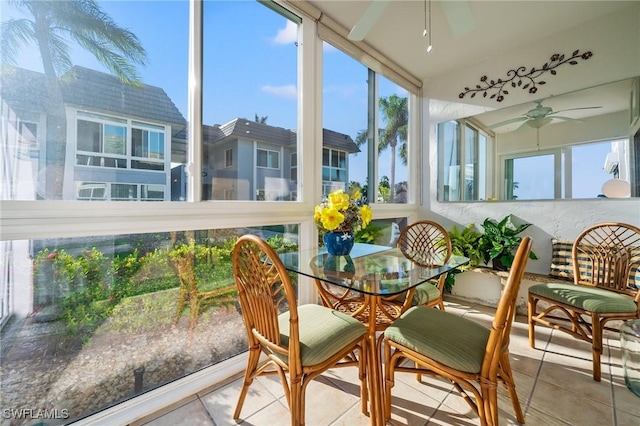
(261, 120)
(395, 114)
(51, 25)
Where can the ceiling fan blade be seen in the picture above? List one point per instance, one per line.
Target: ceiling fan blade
(366, 21)
(504, 123)
(575, 109)
(459, 17)
(565, 118)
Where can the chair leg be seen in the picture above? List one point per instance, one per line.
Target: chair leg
(362, 375)
(388, 382)
(507, 376)
(252, 365)
(596, 345)
(530, 313)
(297, 403)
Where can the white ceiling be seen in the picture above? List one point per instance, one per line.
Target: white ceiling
(468, 34)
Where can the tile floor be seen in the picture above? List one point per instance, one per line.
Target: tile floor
(553, 382)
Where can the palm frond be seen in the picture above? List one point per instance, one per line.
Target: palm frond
(14, 34)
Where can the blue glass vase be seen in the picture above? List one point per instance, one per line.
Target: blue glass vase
(338, 243)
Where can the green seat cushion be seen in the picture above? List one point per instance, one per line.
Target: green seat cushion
(442, 336)
(323, 332)
(424, 293)
(590, 299)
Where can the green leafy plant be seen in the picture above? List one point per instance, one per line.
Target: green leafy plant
(464, 242)
(499, 241)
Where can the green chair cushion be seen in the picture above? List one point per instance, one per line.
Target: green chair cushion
(323, 332)
(442, 336)
(424, 293)
(590, 299)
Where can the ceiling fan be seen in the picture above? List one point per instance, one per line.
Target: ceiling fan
(539, 116)
(458, 14)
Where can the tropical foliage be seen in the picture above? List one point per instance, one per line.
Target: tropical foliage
(500, 240)
(395, 115)
(84, 288)
(463, 243)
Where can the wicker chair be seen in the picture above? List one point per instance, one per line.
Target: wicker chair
(471, 356)
(428, 244)
(603, 289)
(189, 292)
(299, 341)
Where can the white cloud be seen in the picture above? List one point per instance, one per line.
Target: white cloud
(288, 91)
(287, 35)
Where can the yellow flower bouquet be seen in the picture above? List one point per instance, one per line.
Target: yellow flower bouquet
(341, 212)
(338, 217)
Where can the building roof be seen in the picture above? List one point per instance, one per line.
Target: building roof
(251, 129)
(98, 91)
(24, 90)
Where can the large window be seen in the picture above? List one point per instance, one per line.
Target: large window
(250, 100)
(462, 162)
(91, 285)
(372, 115)
(101, 319)
(568, 172)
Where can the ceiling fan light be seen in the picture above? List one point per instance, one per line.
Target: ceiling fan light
(616, 188)
(536, 123)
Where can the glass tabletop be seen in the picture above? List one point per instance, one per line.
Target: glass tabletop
(370, 269)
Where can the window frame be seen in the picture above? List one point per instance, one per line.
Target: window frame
(270, 154)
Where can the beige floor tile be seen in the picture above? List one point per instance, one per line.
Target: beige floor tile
(625, 400)
(570, 406)
(326, 403)
(194, 411)
(222, 403)
(274, 414)
(534, 417)
(627, 419)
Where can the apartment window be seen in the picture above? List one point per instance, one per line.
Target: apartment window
(147, 146)
(268, 159)
(152, 192)
(101, 138)
(120, 191)
(98, 134)
(123, 192)
(228, 157)
(91, 191)
(29, 135)
(334, 165)
(462, 162)
(294, 167)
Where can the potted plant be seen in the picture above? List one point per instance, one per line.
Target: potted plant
(499, 241)
(463, 243)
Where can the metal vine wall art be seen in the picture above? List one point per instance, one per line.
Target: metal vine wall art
(520, 78)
